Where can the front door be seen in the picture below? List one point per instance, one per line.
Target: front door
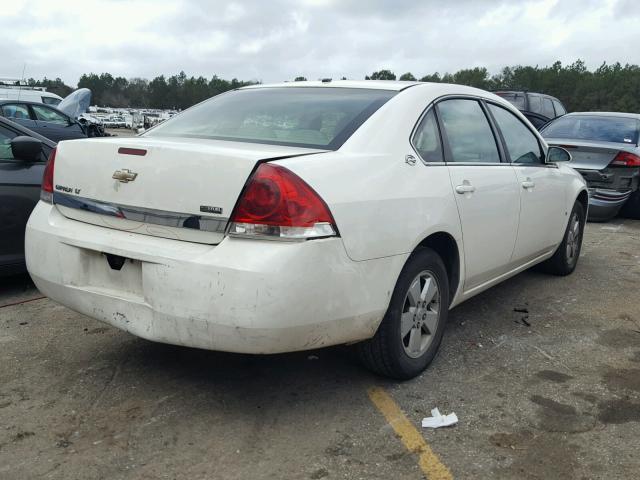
(542, 215)
(19, 193)
(486, 190)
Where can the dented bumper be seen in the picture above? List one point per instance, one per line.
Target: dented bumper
(242, 295)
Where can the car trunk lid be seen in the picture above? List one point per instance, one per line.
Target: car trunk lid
(591, 155)
(176, 188)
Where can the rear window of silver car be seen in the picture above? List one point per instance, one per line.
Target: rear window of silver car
(594, 127)
(313, 117)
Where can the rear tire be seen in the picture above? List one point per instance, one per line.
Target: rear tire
(566, 257)
(408, 338)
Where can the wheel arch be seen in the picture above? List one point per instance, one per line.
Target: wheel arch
(583, 198)
(446, 246)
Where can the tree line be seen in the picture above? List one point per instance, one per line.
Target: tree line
(614, 87)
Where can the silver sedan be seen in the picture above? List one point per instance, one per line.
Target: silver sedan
(604, 148)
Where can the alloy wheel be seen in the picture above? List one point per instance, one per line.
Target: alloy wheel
(573, 238)
(420, 314)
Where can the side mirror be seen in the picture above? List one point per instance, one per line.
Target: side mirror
(558, 154)
(27, 149)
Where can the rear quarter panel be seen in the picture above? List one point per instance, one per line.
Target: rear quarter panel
(382, 205)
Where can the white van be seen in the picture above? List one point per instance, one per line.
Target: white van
(30, 94)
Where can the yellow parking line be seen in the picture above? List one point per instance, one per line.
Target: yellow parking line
(429, 462)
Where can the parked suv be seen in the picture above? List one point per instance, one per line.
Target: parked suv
(537, 107)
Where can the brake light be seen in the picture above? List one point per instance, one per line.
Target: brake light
(625, 159)
(46, 192)
(278, 203)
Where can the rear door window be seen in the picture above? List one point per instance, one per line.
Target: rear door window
(522, 144)
(426, 140)
(468, 132)
(17, 110)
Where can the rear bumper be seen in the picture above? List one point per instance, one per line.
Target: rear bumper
(240, 296)
(605, 204)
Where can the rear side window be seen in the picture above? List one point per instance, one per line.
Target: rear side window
(15, 111)
(427, 139)
(314, 117)
(560, 110)
(593, 127)
(547, 108)
(522, 144)
(515, 98)
(535, 103)
(468, 132)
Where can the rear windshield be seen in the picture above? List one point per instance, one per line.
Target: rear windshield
(593, 127)
(313, 117)
(516, 99)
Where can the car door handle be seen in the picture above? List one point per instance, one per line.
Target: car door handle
(465, 188)
(528, 184)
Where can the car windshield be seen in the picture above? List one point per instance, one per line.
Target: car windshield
(593, 127)
(313, 117)
(516, 99)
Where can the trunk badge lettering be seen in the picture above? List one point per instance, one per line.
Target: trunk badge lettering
(124, 175)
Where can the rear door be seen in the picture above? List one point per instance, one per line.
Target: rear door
(19, 193)
(55, 125)
(486, 189)
(541, 187)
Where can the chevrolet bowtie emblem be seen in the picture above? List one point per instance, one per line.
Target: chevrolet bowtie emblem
(124, 175)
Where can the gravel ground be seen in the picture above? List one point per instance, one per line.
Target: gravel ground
(543, 373)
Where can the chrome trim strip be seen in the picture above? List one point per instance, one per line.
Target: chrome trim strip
(143, 215)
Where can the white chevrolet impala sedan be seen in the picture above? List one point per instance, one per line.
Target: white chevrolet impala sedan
(287, 217)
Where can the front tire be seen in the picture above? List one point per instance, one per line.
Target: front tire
(408, 338)
(566, 257)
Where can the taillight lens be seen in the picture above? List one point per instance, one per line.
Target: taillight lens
(625, 159)
(277, 203)
(46, 192)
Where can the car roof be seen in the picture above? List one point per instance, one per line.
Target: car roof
(28, 102)
(605, 114)
(25, 131)
(369, 84)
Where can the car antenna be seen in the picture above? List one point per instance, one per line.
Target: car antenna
(24, 67)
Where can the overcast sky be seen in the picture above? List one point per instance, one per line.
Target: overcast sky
(274, 40)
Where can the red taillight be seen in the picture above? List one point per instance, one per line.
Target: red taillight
(46, 193)
(276, 202)
(625, 159)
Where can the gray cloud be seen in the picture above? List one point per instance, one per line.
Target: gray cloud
(279, 39)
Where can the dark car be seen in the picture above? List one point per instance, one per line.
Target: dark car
(43, 119)
(23, 154)
(537, 107)
(605, 149)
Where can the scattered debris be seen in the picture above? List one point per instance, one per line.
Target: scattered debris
(437, 420)
(524, 320)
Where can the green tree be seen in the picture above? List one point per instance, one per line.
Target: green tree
(381, 75)
(408, 76)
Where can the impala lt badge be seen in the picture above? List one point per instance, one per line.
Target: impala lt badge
(124, 175)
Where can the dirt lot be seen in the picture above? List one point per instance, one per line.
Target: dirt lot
(552, 393)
